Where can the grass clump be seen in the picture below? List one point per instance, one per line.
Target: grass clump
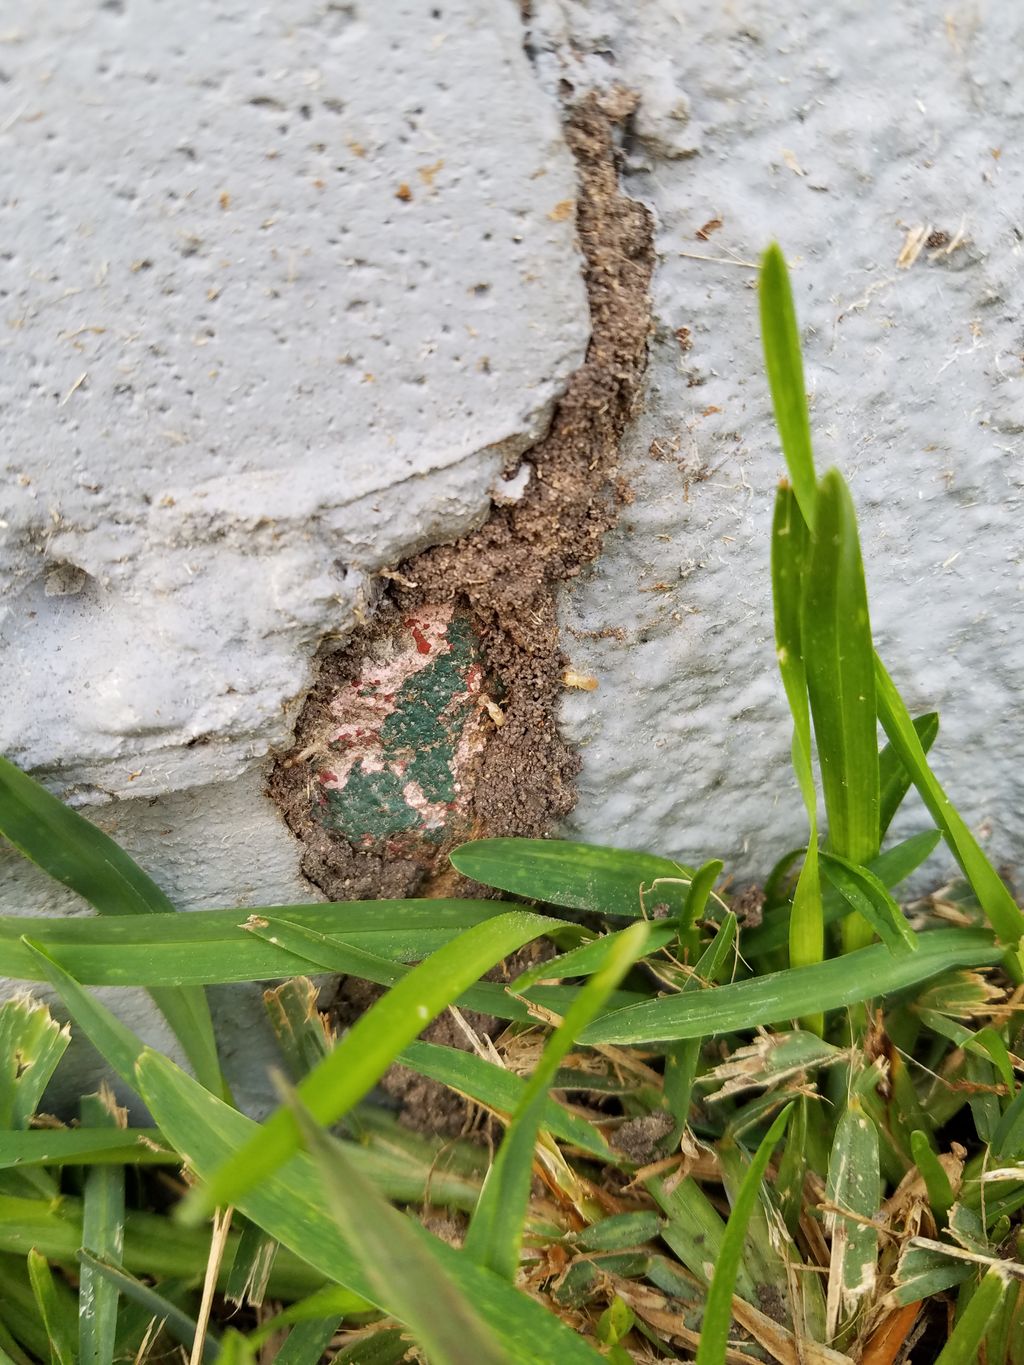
(801, 1141)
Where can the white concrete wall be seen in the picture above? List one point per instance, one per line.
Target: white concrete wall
(840, 130)
(286, 291)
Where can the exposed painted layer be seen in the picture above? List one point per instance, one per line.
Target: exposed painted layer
(408, 729)
(503, 578)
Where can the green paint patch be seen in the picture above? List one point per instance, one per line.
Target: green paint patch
(409, 727)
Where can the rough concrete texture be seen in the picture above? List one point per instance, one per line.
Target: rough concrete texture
(286, 294)
(881, 146)
(511, 772)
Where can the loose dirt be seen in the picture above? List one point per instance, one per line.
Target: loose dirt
(505, 575)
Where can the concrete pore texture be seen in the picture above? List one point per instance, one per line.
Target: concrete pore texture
(878, 145)
(288, 293)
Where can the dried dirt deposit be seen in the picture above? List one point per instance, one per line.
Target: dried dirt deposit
(503, 577)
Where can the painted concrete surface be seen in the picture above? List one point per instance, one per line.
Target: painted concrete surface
(880, 144)
(404, 732)
(286, 293)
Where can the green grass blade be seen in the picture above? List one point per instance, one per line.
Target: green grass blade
(791, 548)
(588, 957)
(714, 1335)
(62, 1345)
(681, 1061)
(207, 946)
(299, 1028)
(838, 657)
(500, 1090)
(940, 1191)
(999, 906)
(153, 1245)
(177, 1323)
(854, 1187)
(866, 894)
(793, 994)
(289, 1206)
(102, 1234)
(307, 1342)
(115, 1042)
(785, 367)
(893, 778)
(968, 1334)
(73, 851)
(408, 1279)
(84, 1147)
(495, 1234)
(700, 889)
(891, 867)
(610, 881)
(31, 1046)
(100, 952)
(370, 1046)
(250, 1270)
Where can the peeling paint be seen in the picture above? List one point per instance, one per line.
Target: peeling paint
(409, 725)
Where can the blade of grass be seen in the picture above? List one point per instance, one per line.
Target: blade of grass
(785, 367)
(865, 894)
(790, 556)
(153, 1245)
(214, 945)
(940, 1191)
(115, 1042)
(588, 957)
(100, 957)
(410, 1282)
(84, 1147)
(1002, 911)
(681, 1061)
(495, 1233)
(838, 656)
(176, 1323)
(795, 993)
(893, 778)
(298, 1025)
(609, 881)
(102, 1234)
(31, 1046)
(891, 867)
(364, 1054)
(62, 1345)
(289, 1206)
(307, 1342)
(22, 1325)
(251, 1266)
(854, 1193)
(73, 851)
(969, 1332)
(714, 1334)
(501, 1091)
(701, 887)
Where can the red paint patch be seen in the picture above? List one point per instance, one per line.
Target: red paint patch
(422, 643)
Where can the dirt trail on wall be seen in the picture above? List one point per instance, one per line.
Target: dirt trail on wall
(505, 575)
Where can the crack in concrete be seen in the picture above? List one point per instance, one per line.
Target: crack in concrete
(503, 578)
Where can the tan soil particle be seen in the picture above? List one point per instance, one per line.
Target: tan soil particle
(506, 573)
